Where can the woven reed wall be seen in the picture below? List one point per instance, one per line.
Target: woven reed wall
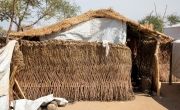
(75, 70)
(145, 57)
(164, 56)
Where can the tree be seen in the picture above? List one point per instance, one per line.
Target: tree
(157, 22)
(173, 19)
(21, 11)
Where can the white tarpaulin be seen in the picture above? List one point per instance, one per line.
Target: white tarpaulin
(96, 30)
(5, 60)
(176, 58)
(24, 104)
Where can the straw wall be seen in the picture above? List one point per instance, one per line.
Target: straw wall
(164, 55)
(75, 70)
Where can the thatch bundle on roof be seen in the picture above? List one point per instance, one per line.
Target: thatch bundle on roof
(103, 13)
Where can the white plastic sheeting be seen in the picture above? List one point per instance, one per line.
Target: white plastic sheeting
(24, 104)
(96, 30)
(5, 60)
(176, 58)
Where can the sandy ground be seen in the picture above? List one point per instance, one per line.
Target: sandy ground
(169, 100)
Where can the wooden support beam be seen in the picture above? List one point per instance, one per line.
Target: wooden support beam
(156, 74)
(14, 68)
(20, 90)
(12, 76)
(170, 74)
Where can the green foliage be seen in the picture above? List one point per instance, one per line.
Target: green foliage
(173, 19)
(35, 10)
(157, 22)
(5, 10)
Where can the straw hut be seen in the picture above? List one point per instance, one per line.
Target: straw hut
(81, 70)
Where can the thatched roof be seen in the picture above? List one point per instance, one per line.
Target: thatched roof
(103, 13)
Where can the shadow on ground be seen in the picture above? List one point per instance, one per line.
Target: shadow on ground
(170, 96)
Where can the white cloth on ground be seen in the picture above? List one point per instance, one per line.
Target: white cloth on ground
(175, 69)
(5, 60)
(24, 104)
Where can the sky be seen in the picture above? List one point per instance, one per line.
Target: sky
(133, 9)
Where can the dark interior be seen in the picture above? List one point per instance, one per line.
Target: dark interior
(142, 47)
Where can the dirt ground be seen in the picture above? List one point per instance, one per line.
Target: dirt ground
(169, 100)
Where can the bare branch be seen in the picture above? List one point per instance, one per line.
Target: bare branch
(15, 22)
(165, 12)
(11, 22)
(151, 13)
(155, 9)
(41, 17)
(25, 11)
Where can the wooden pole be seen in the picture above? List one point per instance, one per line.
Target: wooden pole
(156, 75)
(20, 90)
(13, 75)
(170, 74)
(14, 68)
(13, 82)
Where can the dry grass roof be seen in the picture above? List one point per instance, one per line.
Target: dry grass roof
(103, 13)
